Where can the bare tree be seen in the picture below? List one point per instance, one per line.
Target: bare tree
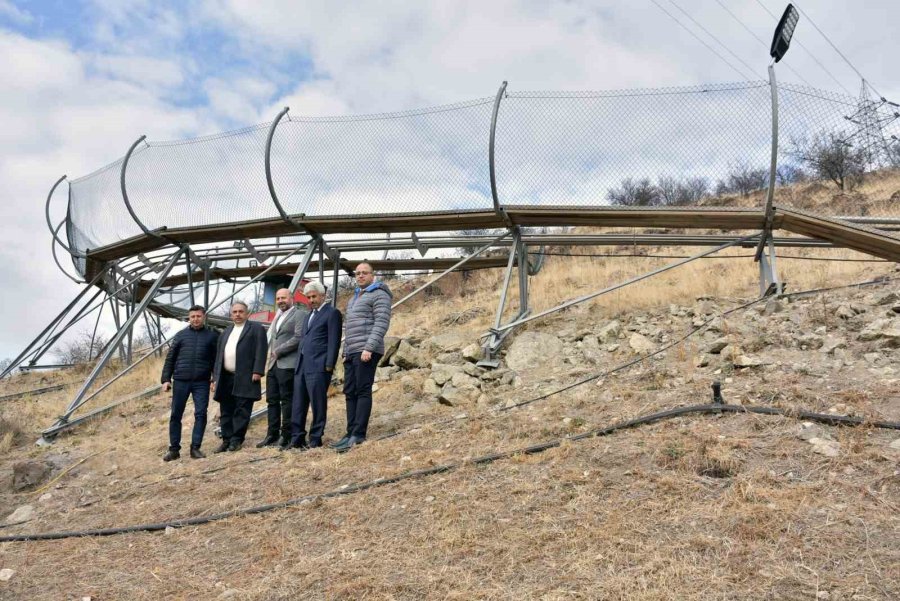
(689, 190)
(742, 179)
(635, 193)
(788, 173)
(81, 348)
(829, 156)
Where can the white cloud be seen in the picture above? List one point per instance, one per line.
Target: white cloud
(14, 13)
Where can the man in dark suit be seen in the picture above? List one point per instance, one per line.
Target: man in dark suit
(318, 353)
(240, 365)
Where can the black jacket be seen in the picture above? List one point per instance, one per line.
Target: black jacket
(191, 356)
(251, 359)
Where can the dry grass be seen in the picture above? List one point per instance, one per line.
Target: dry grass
(728, 507)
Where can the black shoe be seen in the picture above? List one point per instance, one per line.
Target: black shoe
(300, 445)
(234, 446)
(342, 442)
(172, 455)
(196, 453)
(222, 447)
(315, 444)
(351, 442)
(269, 441)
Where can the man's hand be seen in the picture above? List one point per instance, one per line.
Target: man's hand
(167, 386)
(212, 386)
(257, 377)
(366, 356)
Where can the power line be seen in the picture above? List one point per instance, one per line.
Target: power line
(805, 49)
(841, 54)
(699, 39)
(707, 32)
(760, 40)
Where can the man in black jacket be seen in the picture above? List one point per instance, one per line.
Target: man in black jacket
(189, 363)
(240, 365)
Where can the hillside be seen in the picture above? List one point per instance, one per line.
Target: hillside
(727, 506)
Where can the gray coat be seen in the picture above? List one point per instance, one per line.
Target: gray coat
(367, 319)
(288, 338)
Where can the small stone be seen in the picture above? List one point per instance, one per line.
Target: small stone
(429, 498)
(610, 332)
(6, 574)
(823, 595)
(169, 530)
(822, 446)
(28, 474)
(641, 344)
(430, 387)
(701, 361)
(375, 387)
(716, 346)
(22, 514)
(472, 353)
(773, 306)
(612, 348)
(405, 458)
(745, 361)
(45, 497)
(567, 420)
(830, 345)
(845, 312)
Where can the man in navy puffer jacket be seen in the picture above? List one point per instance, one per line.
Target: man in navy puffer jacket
(189, 364)
(366, 322)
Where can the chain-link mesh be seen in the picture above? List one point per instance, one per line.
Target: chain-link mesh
(212, 180)
(693, 146)
(633, 148)
(412, 162)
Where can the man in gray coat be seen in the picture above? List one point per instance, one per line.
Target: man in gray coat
(284, 338)
(366, 322)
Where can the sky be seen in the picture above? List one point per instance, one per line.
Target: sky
(81, 80)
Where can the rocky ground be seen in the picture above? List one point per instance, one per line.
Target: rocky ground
(699, 507)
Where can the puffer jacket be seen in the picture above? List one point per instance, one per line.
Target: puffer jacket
(367, 319)
(191, 356)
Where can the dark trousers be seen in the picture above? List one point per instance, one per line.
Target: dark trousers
(358, 379)
(181, 390)
(234, 411)
(310, 389)
(279, 391)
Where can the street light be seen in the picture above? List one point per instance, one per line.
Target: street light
(783, 33)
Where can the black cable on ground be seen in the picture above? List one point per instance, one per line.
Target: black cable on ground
(713, 408)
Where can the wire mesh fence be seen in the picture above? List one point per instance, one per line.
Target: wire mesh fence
(676, 147)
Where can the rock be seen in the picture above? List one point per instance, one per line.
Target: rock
(431, 387)
(483, 399)
(718, 324)
(230, 593)
(510, 378)
(390, 347)
(531, 350)
(824, 446)
(472, 353)
(809, 341)
(408, 357)
(773, 306)
(701, 361)
(844, 312)
(731, 352)
(489, 375)
(640, 344)
(447, 342)
(28, 474)
(450, 395)
(169, 530)
(610, 332)
(831, 344)
(872, 357)
(745, 361)
(441, 373)
(809, 430)
(454, 358)
(880, 329)
(6, 574)
(45, 497)
(716, 346)
(464, 381)
(473, 370)
(22, 514)
(385, 373)
(885, 298)
(612, 348)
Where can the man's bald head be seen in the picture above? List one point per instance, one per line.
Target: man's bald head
(284, 299)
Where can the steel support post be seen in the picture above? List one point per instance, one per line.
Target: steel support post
(322, 262)
(117, 339)
(768, 276)
(206, 287)
(492, 169)
(522, 266)
(190, 283)
(51, 326)
(335, 278)
(495, 337)
(313, 244)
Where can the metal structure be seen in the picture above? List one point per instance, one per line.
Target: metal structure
(461, 185)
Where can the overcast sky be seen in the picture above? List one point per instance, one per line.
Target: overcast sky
(81, 81)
